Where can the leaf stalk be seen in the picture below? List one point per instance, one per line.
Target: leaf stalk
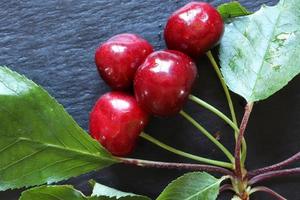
(237, 155)
(171, 165)
(274, 167)
(268, 191)
(274, 174)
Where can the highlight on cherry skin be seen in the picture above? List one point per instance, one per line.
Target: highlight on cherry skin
(194, 29)
(118, 58)
(116, 122)
(164, 81)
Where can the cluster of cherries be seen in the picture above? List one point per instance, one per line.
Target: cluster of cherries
(161, 80)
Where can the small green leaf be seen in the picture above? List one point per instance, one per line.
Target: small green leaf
(66, 192)
(232, 9)
(104, 191)
(259, 53)
(192, 186)
(39, 142)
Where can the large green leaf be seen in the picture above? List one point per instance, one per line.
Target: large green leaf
(192, 186)
(39, 142)
(66, 192)
(232, 9)
(259, 53)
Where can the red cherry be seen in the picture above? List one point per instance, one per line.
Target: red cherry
(116, 121)
(163, 82)
(194, 29)
(118, 58)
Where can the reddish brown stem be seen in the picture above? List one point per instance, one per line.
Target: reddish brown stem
(226, 187)
(277, 166)
(237, 155)
(269, 191)
(274, 174)
(169, 165)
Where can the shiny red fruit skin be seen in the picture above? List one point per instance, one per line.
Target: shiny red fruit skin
(194, 29)
(118, 58)
(164, 81)
(116, 122)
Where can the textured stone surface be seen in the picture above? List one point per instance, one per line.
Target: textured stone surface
(53, 43)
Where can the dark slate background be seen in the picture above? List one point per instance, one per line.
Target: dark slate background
(53, 43)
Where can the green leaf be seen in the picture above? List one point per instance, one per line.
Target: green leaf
(192, 186)
(104, 191)
(232, 9)
(66, 192)
(259, 53)
(39, 142)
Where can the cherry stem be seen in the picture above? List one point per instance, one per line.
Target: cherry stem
(267, 190)
(208, 135)
(229, 100)
(274, 174)
(237, 155)
(184, 154)
(171, 165)
(277, 166)
(219, 74)
(214, 110)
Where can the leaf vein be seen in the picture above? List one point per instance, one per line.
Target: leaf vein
(9, 145)
(204, 189)
(22, 159)
(47, 166)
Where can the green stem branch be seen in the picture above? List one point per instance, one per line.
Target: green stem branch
(214, 110)
(184, 154)
(230, 104)
(217, 70)
(208, 135)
